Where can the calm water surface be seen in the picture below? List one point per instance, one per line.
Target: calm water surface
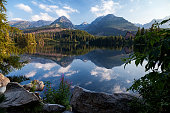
(96, 69)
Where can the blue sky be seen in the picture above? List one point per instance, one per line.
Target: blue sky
(78, 11)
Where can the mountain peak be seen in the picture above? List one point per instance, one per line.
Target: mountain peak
(62, 22)
(84, 23)
(110, 25)
(63, 19)
(110, 15)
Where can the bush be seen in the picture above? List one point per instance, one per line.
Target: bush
(154, 87)
(58, 96)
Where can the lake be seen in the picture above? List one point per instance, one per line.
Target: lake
(99, 69)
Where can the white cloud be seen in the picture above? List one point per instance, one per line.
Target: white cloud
(64, 69)
(61, 12)
(106, 7)
(71, 73)
(47, 8)
(64, 11)
(53, 6)
(95, 8)
(131, 0)
(33, 2)
(131, 10)
(31, 74)
(128, 81)
(24, 7)
(150, 2)
(46, 66)
(51, 73)
(17, 19)
(88, 83)
(67, 71)
(117, 89)
(104, 74)
(69, 9)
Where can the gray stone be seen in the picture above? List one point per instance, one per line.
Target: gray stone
(39, 85)
(53, 108)
(84, 101)
(16, 96)
(67, 112)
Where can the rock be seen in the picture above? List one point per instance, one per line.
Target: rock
(53, 108)
(39, 85)
(17, 96)
(3, 82)
(84, 101)
(67, 112)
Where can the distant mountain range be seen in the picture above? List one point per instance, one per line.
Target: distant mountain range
(148, 25)
(29, 24)
(104, 25)
(82, 26)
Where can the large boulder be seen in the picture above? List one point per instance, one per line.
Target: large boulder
(84, 101)
(53, 108)
(19, 100)
(16, 96)
(36, 85)
(3, 82)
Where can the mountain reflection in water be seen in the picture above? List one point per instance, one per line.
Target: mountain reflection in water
(93, 68)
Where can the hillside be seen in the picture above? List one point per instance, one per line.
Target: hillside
(28, 24)
(110, 25)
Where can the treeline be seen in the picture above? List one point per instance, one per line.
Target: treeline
(111, 41)
(66, 36)
(23, 39)
(143, 34)
(78, 36)
(75, 49)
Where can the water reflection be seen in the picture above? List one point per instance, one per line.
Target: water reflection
(10, 59)
(94, 68)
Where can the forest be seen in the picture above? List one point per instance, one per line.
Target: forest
(74, 36)
(151, 45)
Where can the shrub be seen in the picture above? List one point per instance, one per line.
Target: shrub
(154, 87)
(58, 96)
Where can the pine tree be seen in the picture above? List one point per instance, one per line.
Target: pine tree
(138, 32)
(142, 31)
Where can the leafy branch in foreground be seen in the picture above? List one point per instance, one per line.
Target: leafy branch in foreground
(153, 46)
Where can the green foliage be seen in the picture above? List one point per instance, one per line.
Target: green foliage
(9, 58)
(10, 63)
(154, 87)
(79, 37)
(33, 88)
(18, 79)
(59, 96)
